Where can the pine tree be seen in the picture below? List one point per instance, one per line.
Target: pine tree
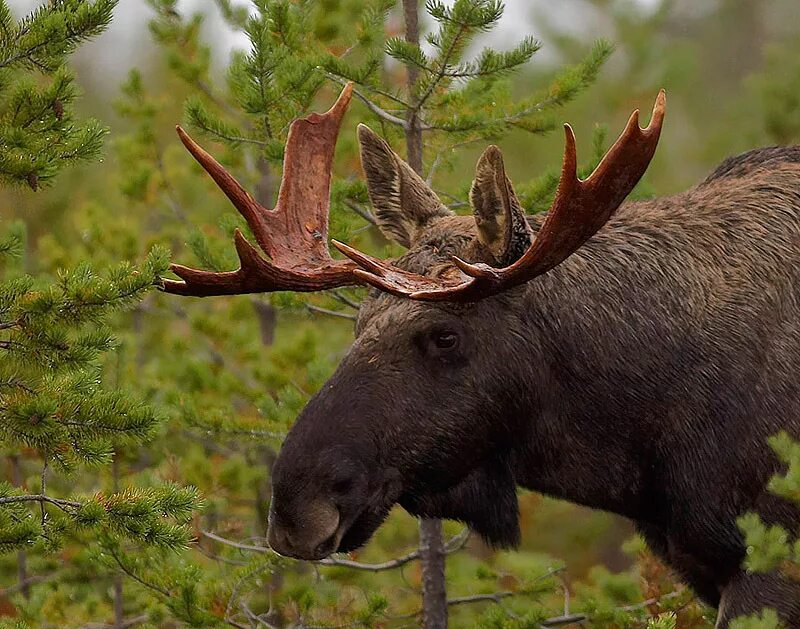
(772, 547)
(450, 100)
(227, 384)
(38, 130)
(61, 413)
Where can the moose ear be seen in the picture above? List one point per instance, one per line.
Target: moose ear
(502, 226)
(402, 201)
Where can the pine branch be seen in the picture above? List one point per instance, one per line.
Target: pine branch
(37, 127)
(64, 505)
(135, 577)
(453, 545)
(375, 109)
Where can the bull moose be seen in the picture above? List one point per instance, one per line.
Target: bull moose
(632, 357)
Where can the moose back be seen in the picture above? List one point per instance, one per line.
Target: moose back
(632, 357)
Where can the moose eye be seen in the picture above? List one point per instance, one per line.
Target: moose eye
(445, 340)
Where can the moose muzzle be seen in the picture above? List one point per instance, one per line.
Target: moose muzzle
(314, 535)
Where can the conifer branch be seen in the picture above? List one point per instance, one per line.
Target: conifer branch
(61, 504)
(441, 71)
(134, 576)
(373, 107)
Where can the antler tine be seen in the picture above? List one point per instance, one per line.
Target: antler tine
(294, 234)
(384, 276)
(579, 210)
(252, 211)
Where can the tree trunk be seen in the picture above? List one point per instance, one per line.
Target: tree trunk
(431, 545)
(119, 594)
(22, 556)
(265, 311)
(434, 587)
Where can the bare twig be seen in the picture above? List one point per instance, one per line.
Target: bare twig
(332, 313)
(252, 616)
(567, 619)
(128, 622)
(26, 583)
(441, 73)
(362, 212)
(652, 601)
(371, 88)
(454, 544)
(342, 298)
(234, 597)
(556, 621)
(373, 107)
(136, 577)
(437, 160)
(231, 543)
(371, 567)
(494, 597)
(44, 488)
(225, 560)
(61, 504)
(511, 119)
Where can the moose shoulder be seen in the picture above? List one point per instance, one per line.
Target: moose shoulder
(630, 357)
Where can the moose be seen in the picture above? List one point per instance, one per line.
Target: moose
(633, 357)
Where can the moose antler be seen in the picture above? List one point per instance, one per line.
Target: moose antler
(295, 234)
(579, 210)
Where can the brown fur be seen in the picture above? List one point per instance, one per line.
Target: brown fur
(642, 376)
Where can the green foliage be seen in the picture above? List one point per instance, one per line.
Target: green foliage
(44, 39)
(664, 621)
(65, 413)
(38, 130)
(767, 619)
(778, 88)
(771, 547)
(53, 404)
(135, 398)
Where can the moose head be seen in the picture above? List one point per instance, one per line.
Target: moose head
(427, 406)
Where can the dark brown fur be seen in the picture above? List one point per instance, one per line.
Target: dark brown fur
(642, 376)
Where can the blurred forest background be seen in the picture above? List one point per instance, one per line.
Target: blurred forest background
(160, 482)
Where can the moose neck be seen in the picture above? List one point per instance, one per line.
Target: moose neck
(603, 332)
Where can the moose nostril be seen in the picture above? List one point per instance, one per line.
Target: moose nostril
(325, 548)
(311, 534)
(279, 540)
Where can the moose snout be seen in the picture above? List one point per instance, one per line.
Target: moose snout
(313, 534)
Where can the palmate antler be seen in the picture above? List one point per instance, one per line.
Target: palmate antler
(294, 234)
(579, 210)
